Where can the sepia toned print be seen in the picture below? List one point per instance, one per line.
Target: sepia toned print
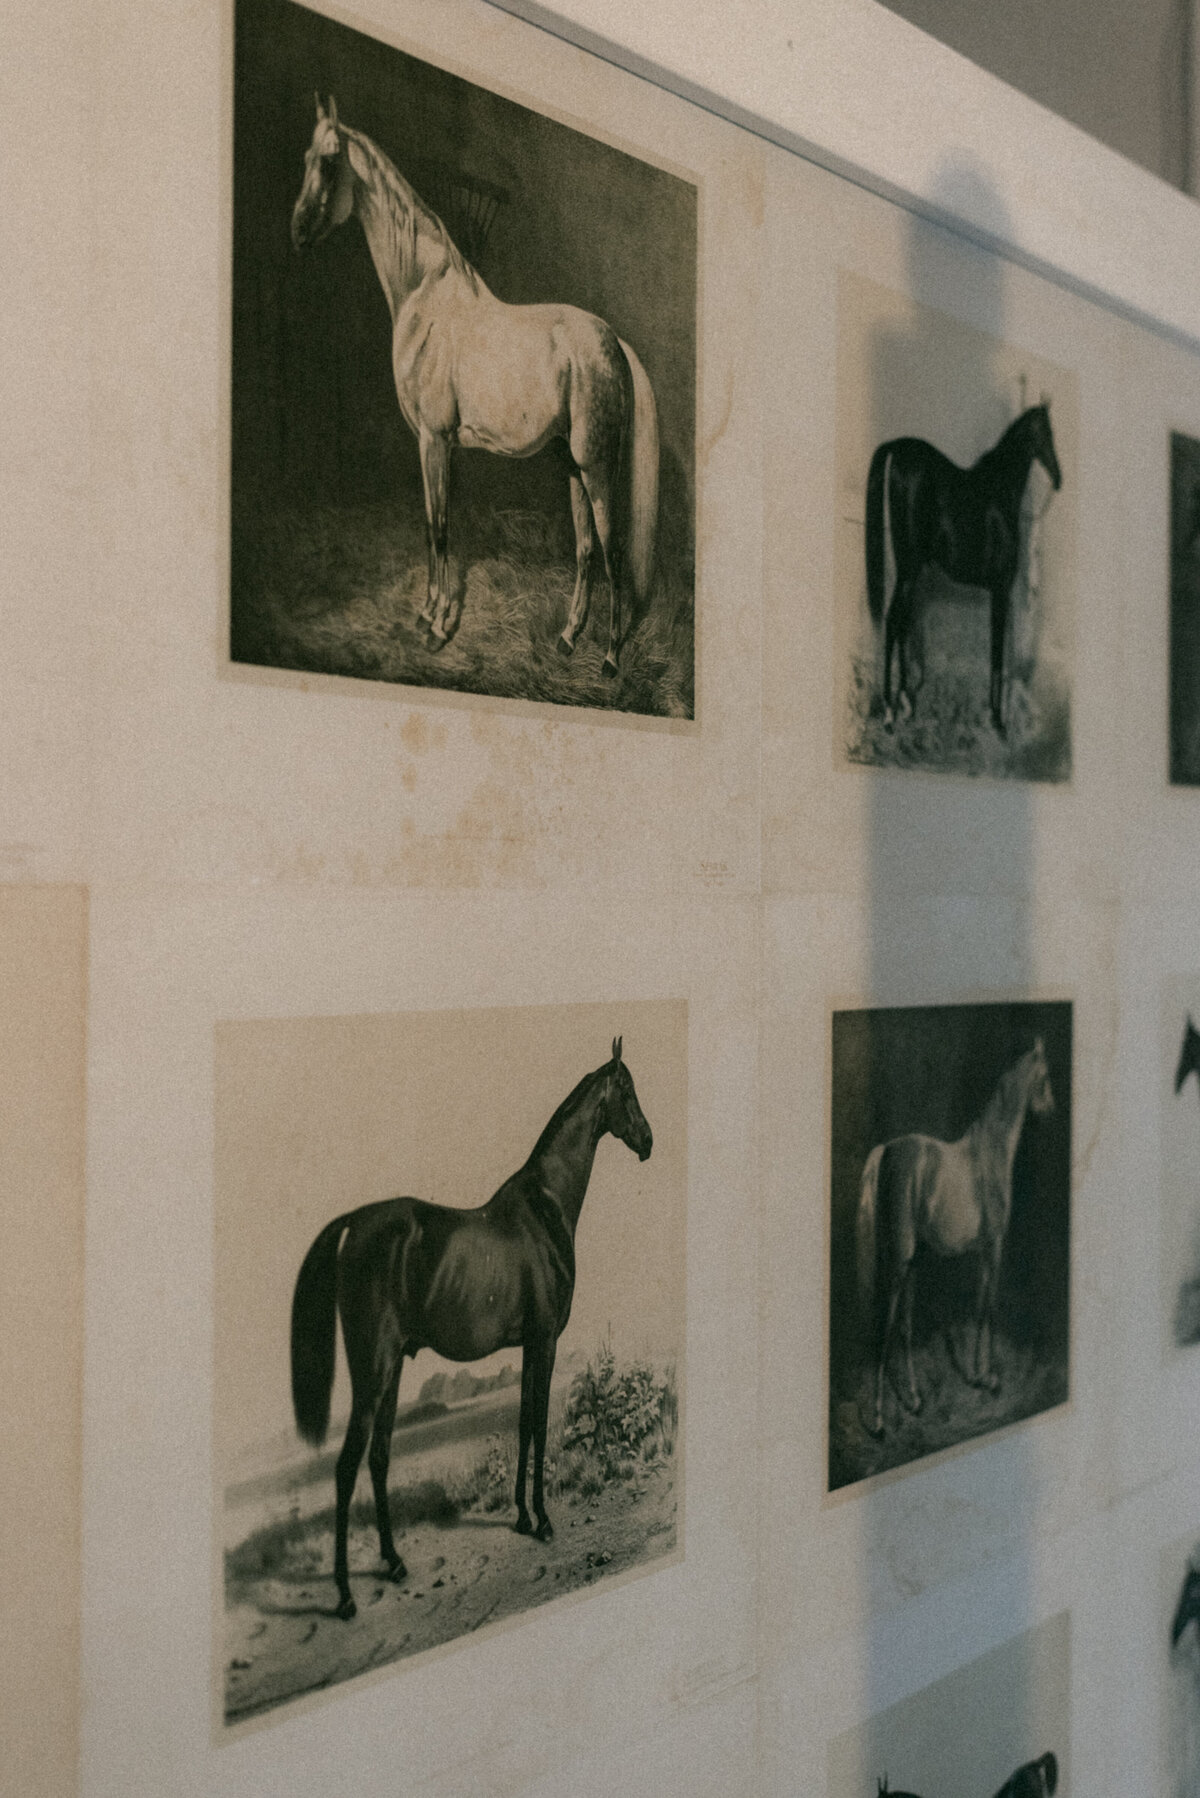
(950, 1211)
(956, 469)
(997, 1728)
(505, 1357)
(424, 271)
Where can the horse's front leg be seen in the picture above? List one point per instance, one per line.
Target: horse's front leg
(541, 1418)
(435, 473)
(523, 1525)
(914, 1396)
(585, 544)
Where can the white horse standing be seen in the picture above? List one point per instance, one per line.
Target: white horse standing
(948, 1197)
(471, 370)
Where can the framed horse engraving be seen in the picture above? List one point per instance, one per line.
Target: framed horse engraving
(464, 384)
(950, 1164)
(456, 1239)
(1000, 1727)
(954, 560)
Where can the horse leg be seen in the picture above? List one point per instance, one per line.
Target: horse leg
(435, 472)
(914, 1396)
(999, 629)
(585, 543)
(347, 1472)
(598, 491)
(988, 1281)
(885, 1338)
(545, 1369)
(378, 1456)
(523, 1525)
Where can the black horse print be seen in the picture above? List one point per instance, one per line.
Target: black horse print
(404, 1275)
(965, 521)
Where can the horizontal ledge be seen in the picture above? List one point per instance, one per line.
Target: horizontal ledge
(855, 88)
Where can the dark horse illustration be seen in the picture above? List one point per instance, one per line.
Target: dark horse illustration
(947, 1198)
(965, 521)
(1189, 1055)
(405, 1275)
(1188, 1609)
(471, 370)
(1036, 1779)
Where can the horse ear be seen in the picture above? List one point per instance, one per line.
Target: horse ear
(616, 1054)
(1040, 1048)
(333, 112)
(1045, 400)
(320, 108)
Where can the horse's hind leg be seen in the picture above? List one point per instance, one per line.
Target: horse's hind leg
(599, 493)
(999, 630)
(585, 544)
(914, 1396)
(348, 1463)
(435, 472)
(523, 1525)
(378, 1457)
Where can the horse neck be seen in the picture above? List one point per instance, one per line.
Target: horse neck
(1003, 1117)
(1010, 460)
(408, 243)
(561, 1162)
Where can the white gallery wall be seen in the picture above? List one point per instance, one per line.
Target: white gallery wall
(268, 849)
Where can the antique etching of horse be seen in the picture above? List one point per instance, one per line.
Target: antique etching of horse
(472, 370)
(964, 521)
(405, 1274)
(949, 1199)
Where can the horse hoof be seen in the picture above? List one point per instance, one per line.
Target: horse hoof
(436, 642)
(397, 1573)
(564, 645)
(609, 670)
(544, 1530)
(347, 1609)
(523, 1526)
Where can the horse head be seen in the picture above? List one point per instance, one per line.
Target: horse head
(326, 196)
(1041, 441)
(1036, 1779)
(622, 1115)
(1189, 1055)
(1041, 1096)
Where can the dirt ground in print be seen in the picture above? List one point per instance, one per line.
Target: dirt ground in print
(318, 1117)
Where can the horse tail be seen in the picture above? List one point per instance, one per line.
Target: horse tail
(876, 504)
(643, 478)
(865, 1231)
(314, 1340)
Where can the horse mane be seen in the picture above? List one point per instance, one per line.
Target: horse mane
(567, 1108)
(412, 210)
(1006, 1101)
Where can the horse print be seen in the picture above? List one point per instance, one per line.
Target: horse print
(949, 1227)
(1181, 1164)
(1179, 1668)
(1185, 611)
(476, 304)
(954, 567)
(549, 1332)
(998, 1727)
(1036, 1779)
(965, 522)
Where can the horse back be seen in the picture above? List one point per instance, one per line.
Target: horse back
(927, 1195)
